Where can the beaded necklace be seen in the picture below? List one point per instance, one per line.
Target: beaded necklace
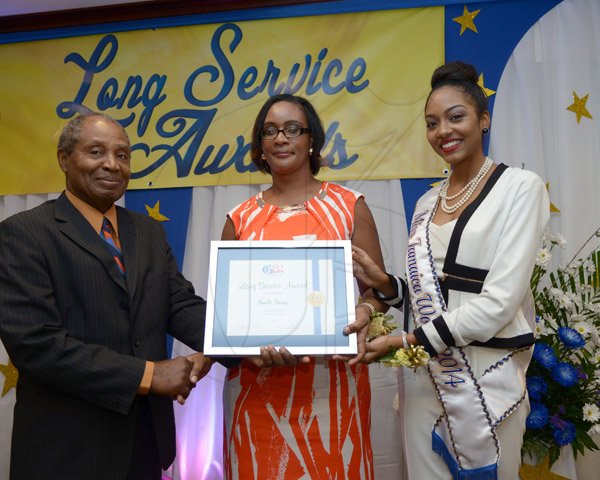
(466, 192)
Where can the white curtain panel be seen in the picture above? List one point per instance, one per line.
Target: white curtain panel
(532, 127)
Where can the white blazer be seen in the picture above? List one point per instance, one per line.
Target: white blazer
(488, 265)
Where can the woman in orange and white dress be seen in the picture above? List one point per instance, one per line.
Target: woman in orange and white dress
(308, 419)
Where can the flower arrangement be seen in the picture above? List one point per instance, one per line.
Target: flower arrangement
(381, 324)
(414, 356)
(563, 379)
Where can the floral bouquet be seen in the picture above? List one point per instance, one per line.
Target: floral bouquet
(413, 356)
(381, 324)
(563, 380)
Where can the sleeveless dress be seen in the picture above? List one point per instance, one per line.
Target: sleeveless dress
(308, 421)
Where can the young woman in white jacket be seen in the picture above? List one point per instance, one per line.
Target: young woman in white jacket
(471, 252)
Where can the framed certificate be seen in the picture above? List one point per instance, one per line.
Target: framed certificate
(293, 294)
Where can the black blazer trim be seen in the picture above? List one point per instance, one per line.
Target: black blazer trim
(399, 292)
(519, 341)
(450, 265)
(443, 331)
(459, 284)
(424, 341)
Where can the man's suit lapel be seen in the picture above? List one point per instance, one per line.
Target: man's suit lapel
(77, 228)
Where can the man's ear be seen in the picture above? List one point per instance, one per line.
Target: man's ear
(62, 160)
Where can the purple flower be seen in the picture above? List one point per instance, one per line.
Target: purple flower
(536, 387)
(581, 375)
(538, 416)
(570, 337)
(557, 422)
(544, 355)
(565, 435)
(565, 374)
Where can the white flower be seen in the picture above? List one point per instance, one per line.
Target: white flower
(595, 358)
(541, 329)
(595, 430)
(569, 271)
(560, 240)
(591, 412)
(550, 322)
(543, 257)
(589, 267)
(583, 327)
(554, 239)
(594, 307)
(555, 292)
(547, 238)
(565, 300)
(595, 337)
(585, 289)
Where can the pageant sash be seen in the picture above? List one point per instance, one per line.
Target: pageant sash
(465, 434)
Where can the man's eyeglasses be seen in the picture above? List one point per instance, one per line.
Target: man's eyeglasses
(290, 131)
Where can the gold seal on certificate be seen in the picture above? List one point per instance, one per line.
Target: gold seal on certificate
(316, 298)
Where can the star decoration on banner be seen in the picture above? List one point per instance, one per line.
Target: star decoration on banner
(578, 107)
(11, 374)
(466, 20)
(154, 212)
(553, 208)
(488, 92)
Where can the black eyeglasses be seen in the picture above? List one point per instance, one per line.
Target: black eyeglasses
(290, 131)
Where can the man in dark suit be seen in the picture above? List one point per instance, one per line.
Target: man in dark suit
(85, 323)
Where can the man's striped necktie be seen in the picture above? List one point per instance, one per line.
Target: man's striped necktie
(108, 236)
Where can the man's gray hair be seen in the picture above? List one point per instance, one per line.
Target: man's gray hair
(72, 131)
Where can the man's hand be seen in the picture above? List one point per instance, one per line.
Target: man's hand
(174, 377)
(202, 366)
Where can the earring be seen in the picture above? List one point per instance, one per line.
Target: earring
(485, 130)
(262, 156)
(310, 150)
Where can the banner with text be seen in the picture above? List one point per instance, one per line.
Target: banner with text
(188, 96)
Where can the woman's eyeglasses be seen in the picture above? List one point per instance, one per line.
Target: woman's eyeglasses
(290, 131)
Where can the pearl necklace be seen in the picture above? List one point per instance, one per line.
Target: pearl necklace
(466, 192)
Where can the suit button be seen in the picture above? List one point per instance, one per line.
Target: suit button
(136, 342)
(124, 304)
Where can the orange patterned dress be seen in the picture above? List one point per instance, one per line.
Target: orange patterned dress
(308, 421)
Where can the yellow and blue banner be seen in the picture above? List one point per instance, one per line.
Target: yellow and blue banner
(188, 95)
